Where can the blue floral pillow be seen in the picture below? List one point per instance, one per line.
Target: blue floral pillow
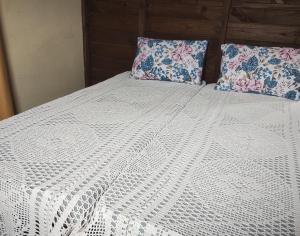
(266, 70)
(169, 60)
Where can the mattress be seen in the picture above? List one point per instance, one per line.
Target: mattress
(129, 157)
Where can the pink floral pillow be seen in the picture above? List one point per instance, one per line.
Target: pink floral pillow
(265, 70)
(169, 60)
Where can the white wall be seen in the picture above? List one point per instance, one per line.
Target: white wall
(45, 49)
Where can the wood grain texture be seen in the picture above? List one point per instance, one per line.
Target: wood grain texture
(142, 16)
(111, 28)
(265, 22)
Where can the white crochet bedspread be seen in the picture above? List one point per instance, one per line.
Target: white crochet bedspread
(128, 157)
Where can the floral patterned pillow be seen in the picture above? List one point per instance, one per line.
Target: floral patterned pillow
(169, 60)
(266, 70)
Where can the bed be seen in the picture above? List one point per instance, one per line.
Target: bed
(132, 157)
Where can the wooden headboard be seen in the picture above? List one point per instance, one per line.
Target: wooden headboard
(112, 26)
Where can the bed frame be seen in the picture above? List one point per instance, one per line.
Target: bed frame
(111, 27)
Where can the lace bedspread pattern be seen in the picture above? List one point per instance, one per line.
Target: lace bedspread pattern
(57, 160)
(129, 157)
(228, 164)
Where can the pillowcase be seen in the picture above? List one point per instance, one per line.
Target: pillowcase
(265, 70)
(169, 60)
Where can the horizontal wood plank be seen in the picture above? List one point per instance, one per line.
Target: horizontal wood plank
(254, 2)
(271, 16)
(264, 33)
(197, 12)
(115, 50)
(120, 37)
(186, 27)
(113, 22)
(110, 63)
(112, 7)
(187, 3)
